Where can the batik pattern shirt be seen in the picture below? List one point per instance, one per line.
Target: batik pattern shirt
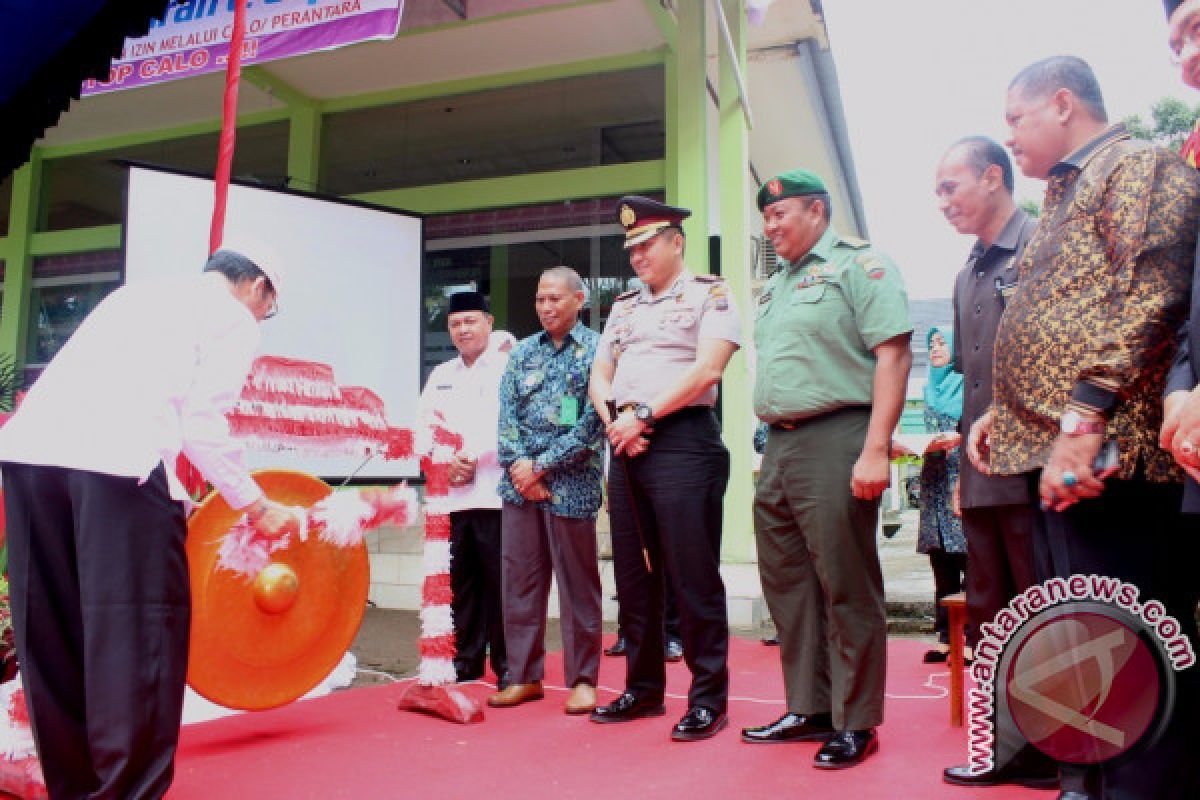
(1104, 284)
(545, 416)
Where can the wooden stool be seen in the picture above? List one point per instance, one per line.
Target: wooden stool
(956, 606)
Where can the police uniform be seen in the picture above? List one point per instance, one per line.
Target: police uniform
(817, 323)
(678, 484)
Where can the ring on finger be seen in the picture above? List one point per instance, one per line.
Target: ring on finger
(1069, 478)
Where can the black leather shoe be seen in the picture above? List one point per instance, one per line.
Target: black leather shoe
(618, 648)
(935, 657)
(627, 708)
(1008, 774)
(699, 723)
(791, 728)
(846, 749)
(673, 651)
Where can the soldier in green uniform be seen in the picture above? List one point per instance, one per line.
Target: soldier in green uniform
(832, 335)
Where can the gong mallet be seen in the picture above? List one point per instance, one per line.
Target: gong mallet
(637, 518)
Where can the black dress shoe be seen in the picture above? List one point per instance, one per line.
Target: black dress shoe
(791, 728)
(628, 707)
(936, 656)
(618, 648)
(846, 749)
(1008, 774)
(699, 723)
(673, 650)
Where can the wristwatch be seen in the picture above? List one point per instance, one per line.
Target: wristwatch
(644, 413)
(1072, 423)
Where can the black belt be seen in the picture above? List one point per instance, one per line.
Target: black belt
(792, 424)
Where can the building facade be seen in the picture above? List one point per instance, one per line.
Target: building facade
(513, 125)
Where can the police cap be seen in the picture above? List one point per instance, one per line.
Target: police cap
(642, 218)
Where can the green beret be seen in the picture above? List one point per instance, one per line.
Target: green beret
(795, 183)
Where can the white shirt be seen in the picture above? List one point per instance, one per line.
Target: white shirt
(150, 372)
(469, 399)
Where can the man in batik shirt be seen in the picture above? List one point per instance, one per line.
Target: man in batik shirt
(550, 446)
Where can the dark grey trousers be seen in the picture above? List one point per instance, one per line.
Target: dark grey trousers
(537, 546)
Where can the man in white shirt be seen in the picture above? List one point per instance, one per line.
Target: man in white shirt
(99, 581)
(466, 392)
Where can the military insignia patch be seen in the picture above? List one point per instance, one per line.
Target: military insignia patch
(628, 216)
(775, 187)
(873, 266)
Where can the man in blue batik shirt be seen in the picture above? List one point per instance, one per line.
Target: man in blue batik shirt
(550, 444)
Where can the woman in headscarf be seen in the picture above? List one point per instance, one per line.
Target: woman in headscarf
(941, 535)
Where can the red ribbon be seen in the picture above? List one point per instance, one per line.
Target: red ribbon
(233, 74)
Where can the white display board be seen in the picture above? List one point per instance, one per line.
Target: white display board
(352, 292)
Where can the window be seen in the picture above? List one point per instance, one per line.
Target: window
(65, 290)
(508, 271)
(87, 190)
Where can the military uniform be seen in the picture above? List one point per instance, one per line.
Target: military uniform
(817, 323)
(678, 486)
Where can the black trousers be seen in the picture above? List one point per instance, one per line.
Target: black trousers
(1135, 532)
(1004, 558)
(948, 569)
(677, 486)
(476, 568)
(101, 610)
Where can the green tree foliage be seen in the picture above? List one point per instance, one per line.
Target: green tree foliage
(1171, 122)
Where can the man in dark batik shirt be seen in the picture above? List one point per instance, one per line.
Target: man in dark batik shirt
(1082, 355)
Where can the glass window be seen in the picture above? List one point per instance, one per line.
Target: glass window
(65, 290)
(87, 190)
(508, 274)
(587, 121)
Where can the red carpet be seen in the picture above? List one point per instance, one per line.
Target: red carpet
(355, 744)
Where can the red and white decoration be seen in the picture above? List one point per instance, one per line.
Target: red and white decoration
(435, 691)
(20, 772)
(341, 519)
(289, 404)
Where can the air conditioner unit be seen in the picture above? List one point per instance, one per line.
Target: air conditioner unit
(766, 260)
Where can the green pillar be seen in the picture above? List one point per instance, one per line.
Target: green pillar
(499, 285)
(737, 418)
(18, 264)
(304, 147)
(687, 130)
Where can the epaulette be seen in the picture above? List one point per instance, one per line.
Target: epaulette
(854, 242)
(626, 295)
(708, 278)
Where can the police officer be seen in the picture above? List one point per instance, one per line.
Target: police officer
(832, 335)
(659, 359)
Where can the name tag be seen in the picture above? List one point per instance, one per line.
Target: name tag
(568, 411)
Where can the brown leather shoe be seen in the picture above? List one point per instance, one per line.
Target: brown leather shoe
(516, 694)
(582, 700)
